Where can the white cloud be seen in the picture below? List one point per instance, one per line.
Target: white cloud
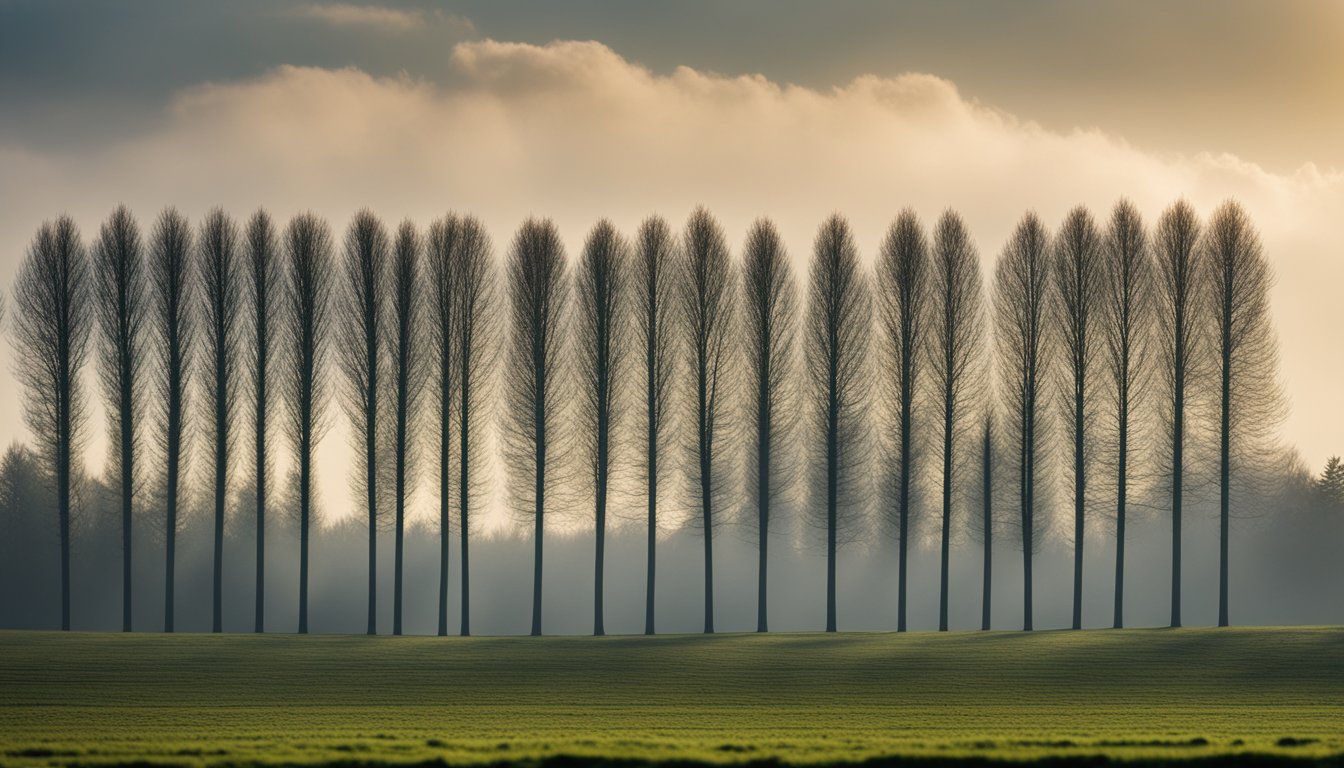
(574, 131)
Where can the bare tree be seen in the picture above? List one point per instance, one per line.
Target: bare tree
(118, 262)
(408, 375)
(956, 336)
(708, 295)
(1127, 304)
(222, 289)
(1250, 402)
(602, 339)
(1021, 291)
(839, 319)
(1079, 285)
(463, 324)
(1180, 269)
(52, 324)
(769, 316)
(363, 360)
(171, 280)
(902, 298)
(655, 270)
(308, 251)
(538, 296)
(263, 278)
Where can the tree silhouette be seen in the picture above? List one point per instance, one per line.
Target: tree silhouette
(308, 253)
(769, 316)
(902, 300)
(408, 374)
(222, 290)
(463, 324)
(708, 296)
(363, 359)
(956, 335)
(52, 325)
(1250, 402)
(1127, 303)
(655, 304)
(264, 303)
(172, 273)
(1021, 309)
(119, 298)
(602, 284)
(987, 516)
(537, 387)
(1180, 268)
(1078, 277)
(839, 319)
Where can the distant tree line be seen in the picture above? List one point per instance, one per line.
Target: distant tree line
(875, 400)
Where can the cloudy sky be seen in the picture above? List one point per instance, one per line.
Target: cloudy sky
(779, 109)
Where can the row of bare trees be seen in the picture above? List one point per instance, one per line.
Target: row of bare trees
(662, 355)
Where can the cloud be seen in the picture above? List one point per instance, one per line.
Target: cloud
(574, 131)
(379, 17)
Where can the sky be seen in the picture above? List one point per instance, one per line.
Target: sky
(788, 110)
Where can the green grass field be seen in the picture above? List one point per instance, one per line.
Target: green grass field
(81, 699)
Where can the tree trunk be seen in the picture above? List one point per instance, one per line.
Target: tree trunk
(1079, 497)
(762, 493)
(445, 441)
(221, 476)
(1224, 461)
(987, 480)
(305, 504)
(260, 619)
(127, 489)
(1177, 469)
(832, 478)
(371, 491)
(1122, 488)
(539, 496)
(947, 500)
(652, 462)
(601, 511)
(464, 484)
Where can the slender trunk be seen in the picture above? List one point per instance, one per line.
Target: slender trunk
(170, 532)
(947, 497)
(904, 493)
(305, 502)
(1122, 489)
(1224, 459)
(63, 473)
(400, 490)
(127, 488)
(762, 490)
(221, 470)
(371, 491)
(652, 462)
(260, 619)
(706, 502)
(1029, 493)
(1079, 496)
(832, 478)
(987, 481)
(539, 422)
(445, 444)
(603, 428)
(1177, 468)
(463, 484)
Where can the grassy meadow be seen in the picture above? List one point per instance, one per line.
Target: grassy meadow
(1147, 695)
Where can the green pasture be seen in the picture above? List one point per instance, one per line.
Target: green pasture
(86, 699)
